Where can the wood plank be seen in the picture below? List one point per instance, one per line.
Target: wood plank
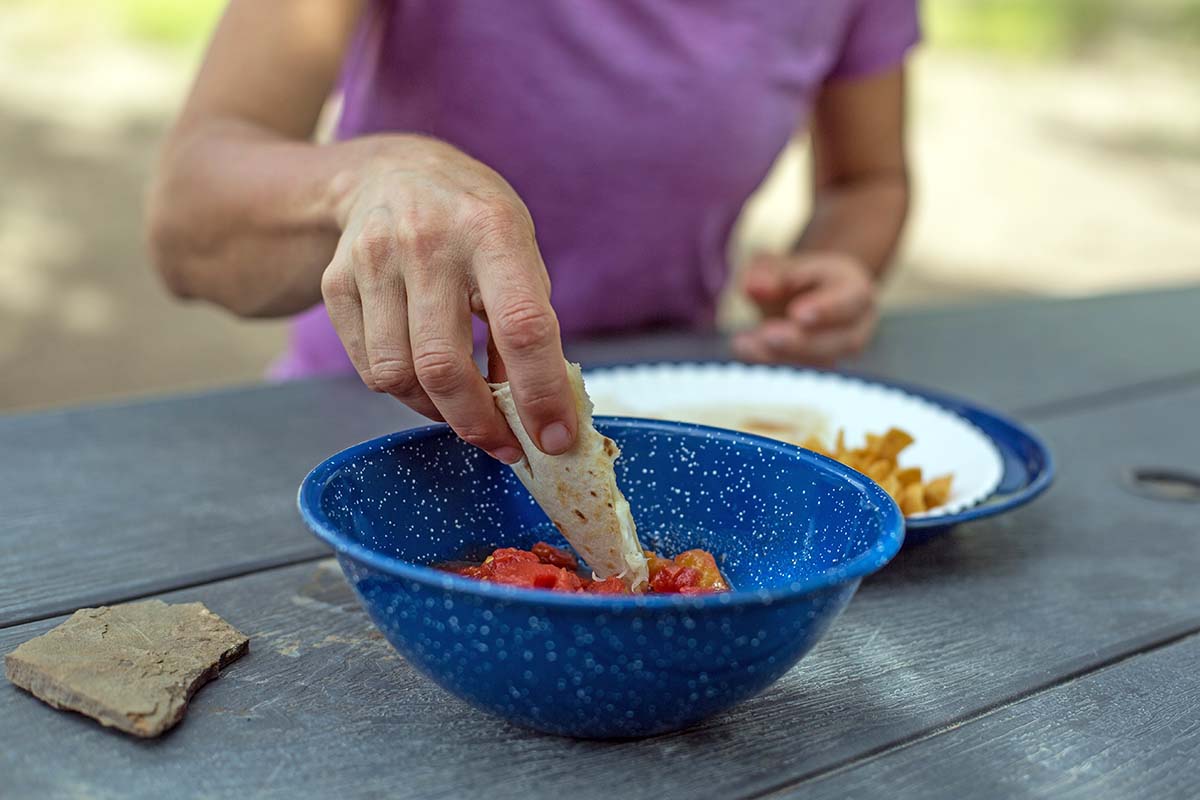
(1131, 730)
(119, 501)
(1004, 607)
(1019, 356)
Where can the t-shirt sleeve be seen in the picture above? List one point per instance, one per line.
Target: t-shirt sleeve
(879, 35)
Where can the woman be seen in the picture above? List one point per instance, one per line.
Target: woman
(630, 131)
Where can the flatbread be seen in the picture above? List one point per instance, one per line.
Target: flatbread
(578, 490)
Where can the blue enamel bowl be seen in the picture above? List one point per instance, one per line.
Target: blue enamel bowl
(794, 532)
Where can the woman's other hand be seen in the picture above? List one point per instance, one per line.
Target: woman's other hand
(817, 308)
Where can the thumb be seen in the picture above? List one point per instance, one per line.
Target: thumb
(762, 278)
(772, 281)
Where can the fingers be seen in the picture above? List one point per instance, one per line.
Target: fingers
(824, 309)
(389, 354)
(750, 347)
(784, 341)
(364, 296)
(344, 306)
(525, 338)
(839, 299)
(402, 290)
(770, 281)
(439, 329)
(826, 347)
(775, 336)
(762, 279)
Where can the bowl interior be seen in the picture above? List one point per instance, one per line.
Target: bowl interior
(773, 515)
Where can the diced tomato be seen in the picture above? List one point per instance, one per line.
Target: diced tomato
(549, 554)
(670, 580)
(664, 579)
(506, 555)
(567, 581)
(548, 567)
(703, 562)
(534, 575)
(654, 563)
(613, 585)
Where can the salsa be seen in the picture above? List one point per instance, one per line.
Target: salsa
(545, 566)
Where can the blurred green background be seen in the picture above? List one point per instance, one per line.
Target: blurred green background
(1058, 28)
(1027, 28)
(1056, 147)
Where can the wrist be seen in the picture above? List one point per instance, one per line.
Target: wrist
(353, 162)
(358, 161)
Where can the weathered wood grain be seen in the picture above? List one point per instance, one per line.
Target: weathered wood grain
(1132, 730)
(1085, 575)
(113, 502)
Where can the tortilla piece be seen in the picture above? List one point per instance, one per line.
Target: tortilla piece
(892, 485)
(578, 490)
(912, 499)
(893, 442)
(937, 491)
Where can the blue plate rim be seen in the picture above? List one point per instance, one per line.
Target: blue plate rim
(1032, 488)
(869, 561)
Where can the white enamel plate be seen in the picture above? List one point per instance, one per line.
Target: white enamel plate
(799, 402)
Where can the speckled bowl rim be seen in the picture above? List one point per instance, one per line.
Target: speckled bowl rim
(874, 556)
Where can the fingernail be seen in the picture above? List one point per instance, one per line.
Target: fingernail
(555, 438)
(508, 455)
(805, 316)
(776, 338)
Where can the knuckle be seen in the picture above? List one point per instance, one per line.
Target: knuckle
(494, 218)
(524, 325)
(394, 377)
(542, 402)
(478, 434)
(374, 247)
(421, 232)
(336, 282)
(439, 369)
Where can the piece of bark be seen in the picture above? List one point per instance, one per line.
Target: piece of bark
(132, 666)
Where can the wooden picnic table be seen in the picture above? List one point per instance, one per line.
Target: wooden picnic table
(1048, 651)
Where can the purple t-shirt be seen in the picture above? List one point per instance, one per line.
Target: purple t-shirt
(634, 131)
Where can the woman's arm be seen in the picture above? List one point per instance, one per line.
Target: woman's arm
(241, 212)
(819, 300)
(403, 237)
(860, 171)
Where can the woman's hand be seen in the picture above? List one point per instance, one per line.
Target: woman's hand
(404, 237)
(819, 305)
(817, 308)
(431, 237)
